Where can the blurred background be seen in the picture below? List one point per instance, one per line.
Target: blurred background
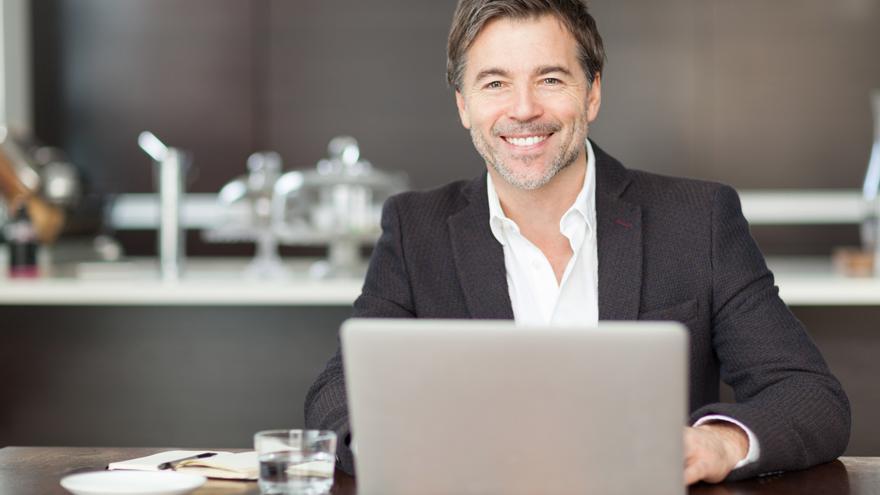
(757, 94)
(770, 96)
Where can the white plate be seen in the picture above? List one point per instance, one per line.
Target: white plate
(132, 483)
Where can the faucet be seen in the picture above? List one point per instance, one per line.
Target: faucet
(171, 166)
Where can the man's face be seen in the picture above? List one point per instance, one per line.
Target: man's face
(526, 100)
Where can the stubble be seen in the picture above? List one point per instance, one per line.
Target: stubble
(566, 155)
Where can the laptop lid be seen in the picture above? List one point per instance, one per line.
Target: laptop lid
(468, 406)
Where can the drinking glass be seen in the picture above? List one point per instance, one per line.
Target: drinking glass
(296, 461)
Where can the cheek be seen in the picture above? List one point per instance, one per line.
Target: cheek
(576, 106)
(485, 112)
(574, 117)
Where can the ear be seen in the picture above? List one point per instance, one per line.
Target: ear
(594, 98)
(462, 110)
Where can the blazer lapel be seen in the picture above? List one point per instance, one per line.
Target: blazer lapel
(619, 242)
(479, 257)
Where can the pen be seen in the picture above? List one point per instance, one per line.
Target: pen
(173, 464)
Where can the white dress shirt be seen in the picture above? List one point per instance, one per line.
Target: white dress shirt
(536, 296)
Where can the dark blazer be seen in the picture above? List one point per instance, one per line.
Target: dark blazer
(668, 249)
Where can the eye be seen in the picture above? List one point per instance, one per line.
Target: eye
(551, 81)
(494, 85)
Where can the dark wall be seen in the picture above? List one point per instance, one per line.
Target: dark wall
(212, 376)
(107, 69)
(848, 338)
(158, 376)
(757, 93)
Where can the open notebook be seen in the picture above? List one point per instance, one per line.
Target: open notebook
(211, 464)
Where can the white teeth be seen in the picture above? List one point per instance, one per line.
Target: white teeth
(526, 141)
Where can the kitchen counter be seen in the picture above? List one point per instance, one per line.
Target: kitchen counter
(803, 281)
(803, 206)
(207, 281)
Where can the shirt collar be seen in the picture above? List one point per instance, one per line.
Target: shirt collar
(584, 203)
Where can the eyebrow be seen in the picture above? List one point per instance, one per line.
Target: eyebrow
(540, 71)
(491, 72)
(549, 69)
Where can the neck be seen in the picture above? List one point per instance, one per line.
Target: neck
(543, 206)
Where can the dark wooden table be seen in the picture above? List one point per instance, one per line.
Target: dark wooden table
(38, 470)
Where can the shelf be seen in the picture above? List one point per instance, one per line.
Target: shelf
(761, 207)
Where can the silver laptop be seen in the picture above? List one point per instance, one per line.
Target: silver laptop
(467, 407)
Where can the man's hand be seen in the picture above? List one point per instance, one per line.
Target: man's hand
(711, 450)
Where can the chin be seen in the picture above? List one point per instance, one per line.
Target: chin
(528, 182)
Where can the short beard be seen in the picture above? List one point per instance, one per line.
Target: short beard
(565, 158)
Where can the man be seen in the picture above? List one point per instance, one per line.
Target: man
(558, 232)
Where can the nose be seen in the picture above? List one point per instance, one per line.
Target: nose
(525, 105)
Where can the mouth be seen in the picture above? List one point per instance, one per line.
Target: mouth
(526, 142)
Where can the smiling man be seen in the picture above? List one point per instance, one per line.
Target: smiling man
(558, 232)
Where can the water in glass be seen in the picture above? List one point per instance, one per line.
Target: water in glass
(292, 472)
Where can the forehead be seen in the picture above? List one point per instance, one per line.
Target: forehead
(517, 45)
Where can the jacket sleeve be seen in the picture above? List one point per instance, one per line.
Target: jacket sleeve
(784, 391)
(386, 294)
